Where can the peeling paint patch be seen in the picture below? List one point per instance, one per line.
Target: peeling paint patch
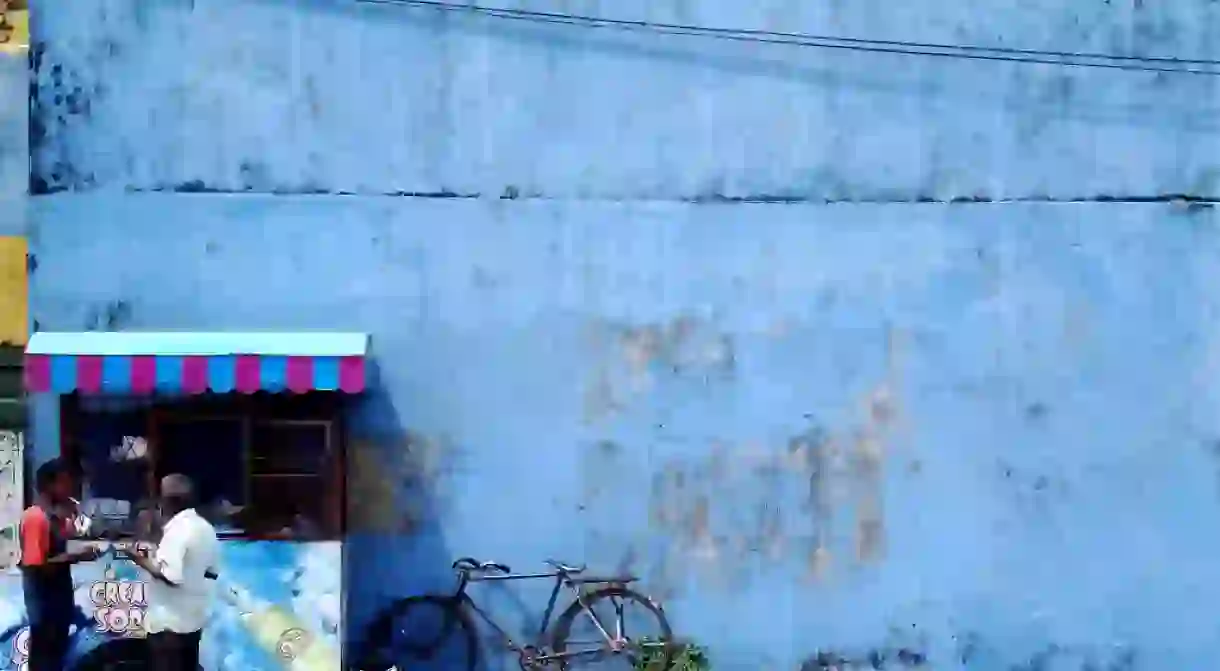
(868, 460)
(61, 97)
(113, 315)
(816, 500)
(633, 359)
(974, 651)
(395, 488)
(877, 658)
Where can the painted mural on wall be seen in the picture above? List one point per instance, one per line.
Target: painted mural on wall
(278, 606)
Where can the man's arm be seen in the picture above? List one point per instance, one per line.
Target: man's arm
(170, 557)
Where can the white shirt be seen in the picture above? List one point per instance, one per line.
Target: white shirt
(188, 549)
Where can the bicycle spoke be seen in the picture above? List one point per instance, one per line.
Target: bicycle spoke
(611, 634)
(619, 625)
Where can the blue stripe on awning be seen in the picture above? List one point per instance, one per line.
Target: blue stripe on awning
(273, 370)
(63, 374)
(116, 374)
(222, 374)
(169, 373)
(326, 374)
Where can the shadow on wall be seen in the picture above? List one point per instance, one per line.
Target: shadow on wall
(394, 545)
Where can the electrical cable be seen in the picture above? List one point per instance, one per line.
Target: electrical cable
(967, 52)
(797, 36)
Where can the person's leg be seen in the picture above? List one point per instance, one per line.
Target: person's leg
(48, 644)
(40, 655)
(152, 648)
(60, 640)
(190, 651)
(164, 652)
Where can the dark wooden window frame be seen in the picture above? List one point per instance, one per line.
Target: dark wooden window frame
(250, 410)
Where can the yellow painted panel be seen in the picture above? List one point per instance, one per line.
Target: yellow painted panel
(14, 29)
(14, 291)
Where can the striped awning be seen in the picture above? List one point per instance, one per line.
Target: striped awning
(194, 363)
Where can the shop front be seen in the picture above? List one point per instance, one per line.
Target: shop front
(257, 421)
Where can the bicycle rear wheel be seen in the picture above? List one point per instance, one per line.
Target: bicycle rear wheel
(632, 620)
(421, 632)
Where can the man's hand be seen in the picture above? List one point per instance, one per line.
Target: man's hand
(87, 553)
(129, 552)
(139, 559)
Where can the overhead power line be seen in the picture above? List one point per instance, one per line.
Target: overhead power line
(958, 51)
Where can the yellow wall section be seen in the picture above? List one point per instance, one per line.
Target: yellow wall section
(14, 291)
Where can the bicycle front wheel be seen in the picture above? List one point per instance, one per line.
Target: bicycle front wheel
(620, 628)
(421, 632)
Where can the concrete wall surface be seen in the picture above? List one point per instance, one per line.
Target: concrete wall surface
(332, 95)
(14, 143)
(910, 430)
(14, 193)
(971, 432)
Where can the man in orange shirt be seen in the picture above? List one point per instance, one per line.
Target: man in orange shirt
(46, 573)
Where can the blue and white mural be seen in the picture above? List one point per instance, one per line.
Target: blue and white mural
(278, 606)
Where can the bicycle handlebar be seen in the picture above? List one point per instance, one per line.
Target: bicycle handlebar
(467, 564)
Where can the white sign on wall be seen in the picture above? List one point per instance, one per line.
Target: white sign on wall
(12, 495)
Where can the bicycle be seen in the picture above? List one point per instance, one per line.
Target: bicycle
(383, 651)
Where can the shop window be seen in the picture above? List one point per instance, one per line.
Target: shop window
(209, 449)
(265, 466)
(288, 468)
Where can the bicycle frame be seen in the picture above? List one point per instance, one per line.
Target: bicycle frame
(562, 579)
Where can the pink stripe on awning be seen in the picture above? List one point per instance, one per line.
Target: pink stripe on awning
(248, 378)
(143, 374)
(351, 374)
(299, 373)
(194, 374)
(89, 374)
(37, 373)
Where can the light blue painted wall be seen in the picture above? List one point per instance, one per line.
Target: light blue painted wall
(1008, 410)
(14, 143)
(849, 427)
(331, 95)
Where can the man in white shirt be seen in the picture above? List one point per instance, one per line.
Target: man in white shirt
(180, 593)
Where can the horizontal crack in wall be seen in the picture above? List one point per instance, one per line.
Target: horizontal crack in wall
(1188, 201)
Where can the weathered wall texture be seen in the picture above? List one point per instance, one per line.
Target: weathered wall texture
(980, 430)
(984, 435)
(329, 95)
(14, 142)
(14, 187)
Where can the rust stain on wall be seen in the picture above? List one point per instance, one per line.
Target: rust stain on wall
(370, 499)
(393, 488)
(633, 358)
(868, 460)
(812, 502)
(817, 502)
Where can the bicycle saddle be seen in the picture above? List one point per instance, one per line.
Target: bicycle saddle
(564, 568)
(469, 564)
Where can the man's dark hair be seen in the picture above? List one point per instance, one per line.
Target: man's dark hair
(47, 473)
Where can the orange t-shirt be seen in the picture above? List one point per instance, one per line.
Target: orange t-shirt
(35, 536)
